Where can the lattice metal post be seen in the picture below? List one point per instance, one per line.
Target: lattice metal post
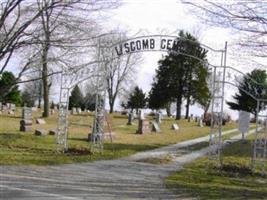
(62, 129)
(97, 136)
(260, 142)
(215, 141)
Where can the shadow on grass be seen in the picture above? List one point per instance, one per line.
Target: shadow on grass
(129, 147)
(240, 149)
(7, 137)
(13, 117)
(216, 193)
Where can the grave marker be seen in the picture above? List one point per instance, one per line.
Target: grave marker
(26, 122)
(130, 119)
(143, 126)
(40, 132)
(175, 127)
(158, 117)
(200, 122)
(40, 121)
(244, 118)
(73, 111)
(155, 127)
(79, 110)
(12, 107)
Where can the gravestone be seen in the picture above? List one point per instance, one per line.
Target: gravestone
(158, 117)
(12, 107)
(40, 132)
(0, 106)
(79, 110)
(11, 112)
(26, 122)
(40, 121)
(155, 127)
(141, 115)
(4, 108)
(130, 119)
(52, 111)
(200, 122)
(34, 109)
(8, 106)
(52, 132)
(244, 118)
(175, 127)
(143, 126)
(73, 111)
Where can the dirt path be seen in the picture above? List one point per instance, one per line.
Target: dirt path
(113, 179)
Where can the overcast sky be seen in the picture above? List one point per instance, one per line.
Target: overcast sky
(169, 16)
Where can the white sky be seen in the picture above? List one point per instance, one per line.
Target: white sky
(158, 15)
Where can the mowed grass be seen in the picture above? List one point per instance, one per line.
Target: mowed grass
(235, 180)
(20, 148)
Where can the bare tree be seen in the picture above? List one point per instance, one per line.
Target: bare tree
(120, 70)
(15, 19)
(63, 35)
(247, 17)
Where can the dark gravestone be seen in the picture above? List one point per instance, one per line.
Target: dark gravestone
(26, 122)
(155, 127)
(52, 132)
(40, 132)
(130, 119)
(143, 126)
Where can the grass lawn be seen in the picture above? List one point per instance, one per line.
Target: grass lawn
(234, 180)
(18, 148)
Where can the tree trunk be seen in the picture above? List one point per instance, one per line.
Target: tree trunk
(40, 96)
(45, 82)
(168, 109)
(178, 107)
(187, 107)
(111, 105)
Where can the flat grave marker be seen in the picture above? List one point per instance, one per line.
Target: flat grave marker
(175, 127)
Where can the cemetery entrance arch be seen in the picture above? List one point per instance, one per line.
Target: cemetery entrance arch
(221, 74)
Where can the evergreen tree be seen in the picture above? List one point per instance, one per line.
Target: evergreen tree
(76, 98)
(181, 74)
(253, 84)
(137, 99)
(9, 91)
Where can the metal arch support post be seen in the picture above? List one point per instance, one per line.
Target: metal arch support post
(260, 142)
(216, 142)
(97, 135)
(62, 129)
(222, 106)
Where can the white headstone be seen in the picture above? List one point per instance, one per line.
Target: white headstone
(141, 115)
(73, 111)
(40, 121)
(79, 110)
(155, 127)
(200, 122)
(244, 118)
(158, 117)
(175, 127)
